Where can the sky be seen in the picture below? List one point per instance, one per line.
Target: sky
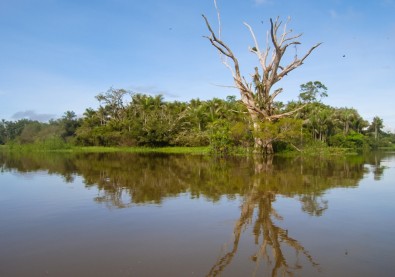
(57, 55)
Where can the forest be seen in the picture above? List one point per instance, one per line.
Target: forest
(127, 119)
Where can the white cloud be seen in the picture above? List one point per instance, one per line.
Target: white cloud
(32, 115)
(152, 90)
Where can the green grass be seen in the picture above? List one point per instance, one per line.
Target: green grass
(392, 147)
(170, 150)
(315, 150)
(102, 149)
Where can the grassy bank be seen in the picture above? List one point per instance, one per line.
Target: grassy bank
(390, 148)
(55, 146)
(170, 150)
(102, 149)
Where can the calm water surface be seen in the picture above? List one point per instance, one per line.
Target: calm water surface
(175, 215)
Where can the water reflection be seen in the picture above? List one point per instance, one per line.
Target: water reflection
(271, 239)
(125, 180)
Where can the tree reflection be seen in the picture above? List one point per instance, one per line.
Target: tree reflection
(378, 169)
(257, 211)
(124, 180)
(313, 204)
(267, 235)
(374, 160)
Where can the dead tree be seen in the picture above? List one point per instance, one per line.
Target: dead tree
(256, 94)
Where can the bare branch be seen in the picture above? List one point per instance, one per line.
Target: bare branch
(273, 33)
(275, 94)
(257, 50)
(292, 38)
(285, 32)
(278, 116)
(267, 50)
(222, 47)
(311, 50)
(296, 63)
(219, 18)
(224, 86)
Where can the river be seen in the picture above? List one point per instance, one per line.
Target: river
(187, 215)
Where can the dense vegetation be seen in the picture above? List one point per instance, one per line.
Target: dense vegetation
(131, 119)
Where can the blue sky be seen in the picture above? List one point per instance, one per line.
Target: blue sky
(56, 55)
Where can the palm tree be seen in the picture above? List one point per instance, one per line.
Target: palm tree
(376, 126)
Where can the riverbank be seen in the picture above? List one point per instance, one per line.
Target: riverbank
(201, 150)
(103, 149)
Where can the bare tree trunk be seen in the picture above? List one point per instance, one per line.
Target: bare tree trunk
(261, 146)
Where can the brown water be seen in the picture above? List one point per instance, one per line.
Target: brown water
(175, 215)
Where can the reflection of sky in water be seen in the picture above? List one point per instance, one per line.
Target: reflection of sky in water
(355, 233)
(60, 223)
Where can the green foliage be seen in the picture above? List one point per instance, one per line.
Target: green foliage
(285, 131)
(310, 91)
(319, 148)
(221, 142)
(241, 134)
(54, 143)
(48, 144)
(375, 130)
(149, 121)
(352, 140)
(124, 119)
(69, 125)
(356, 140)
(383, 141)
(192, 139)
(29, 132)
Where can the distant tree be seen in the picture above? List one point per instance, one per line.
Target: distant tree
(376, 126)
(3, 132)
(13, 129)
(29, 132)
(113, 100)
(70, 123)
(310, 90)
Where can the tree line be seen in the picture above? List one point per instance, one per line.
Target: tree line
(130, 119)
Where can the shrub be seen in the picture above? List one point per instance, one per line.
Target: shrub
(221, 142)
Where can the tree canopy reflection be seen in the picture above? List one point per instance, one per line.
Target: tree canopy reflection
(127, 179)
